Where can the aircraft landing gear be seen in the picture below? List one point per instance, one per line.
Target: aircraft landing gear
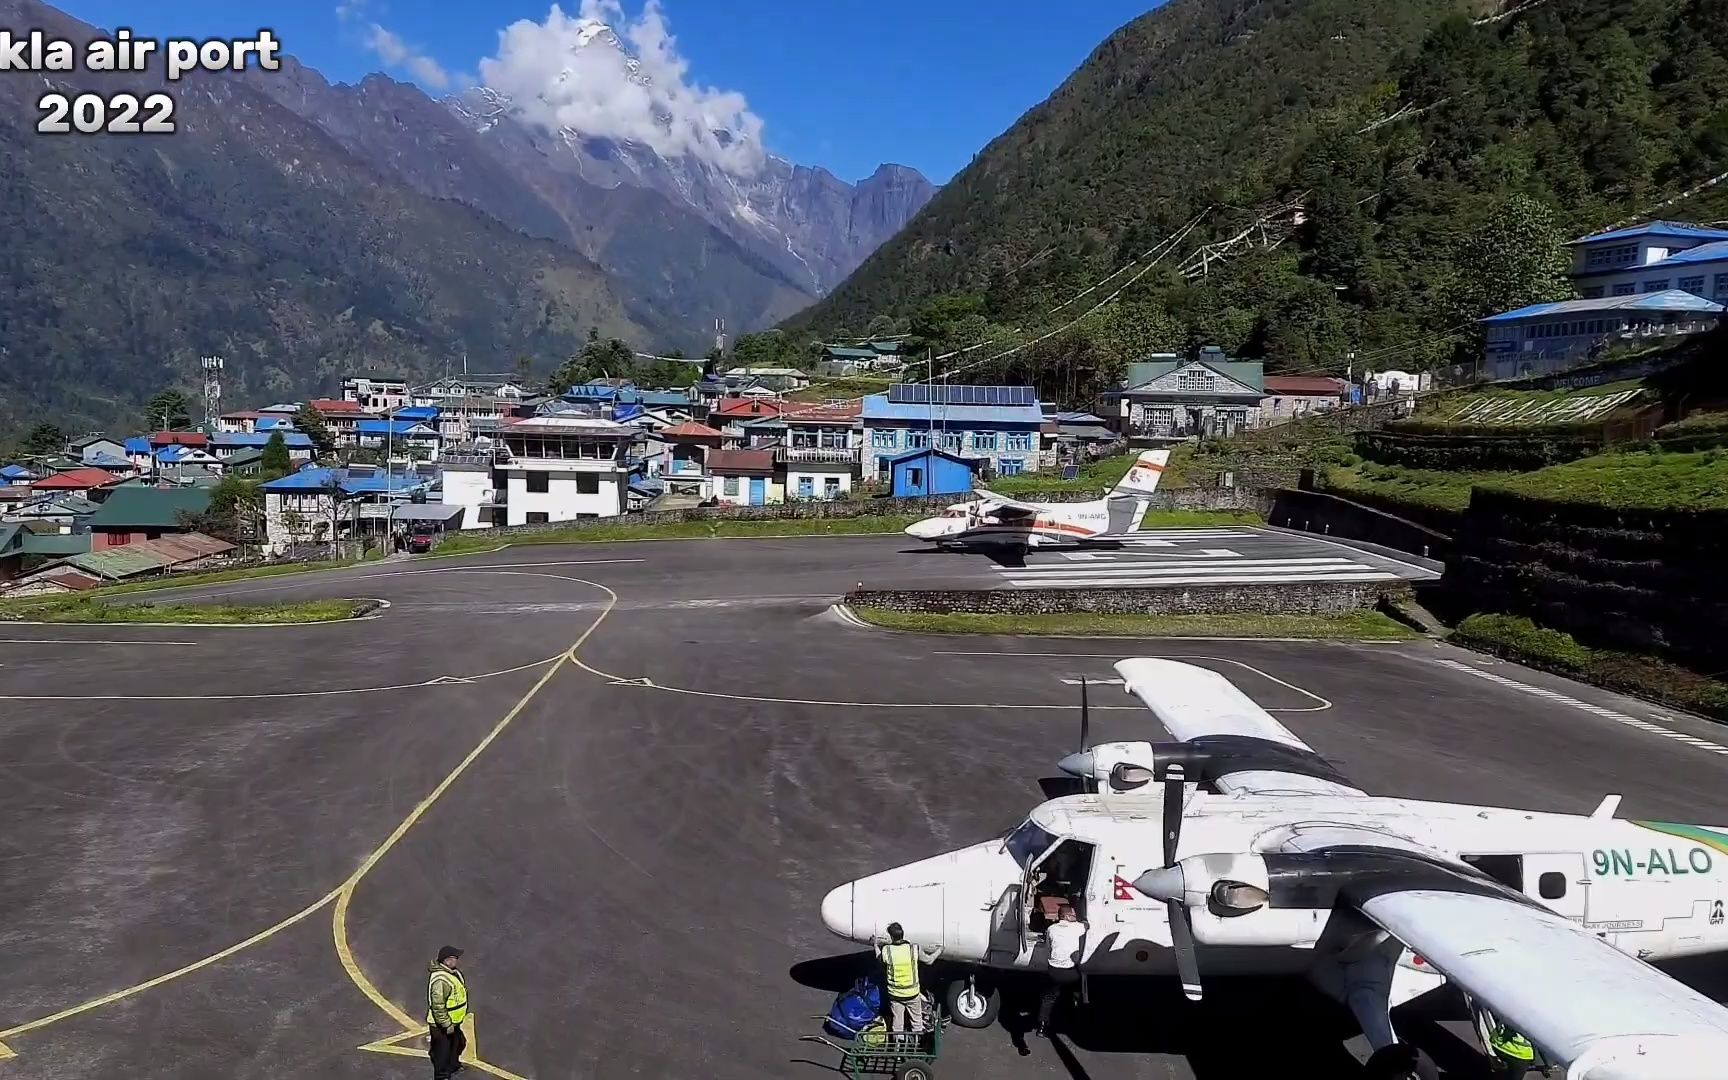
(971, 1005)
(1400, 1061)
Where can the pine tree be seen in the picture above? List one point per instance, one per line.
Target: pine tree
(275, 462)
(311, 421)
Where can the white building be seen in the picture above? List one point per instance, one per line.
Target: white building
(561, 468)
(1545, 338)
(1653, 258)
(376, 394)
(465, 480)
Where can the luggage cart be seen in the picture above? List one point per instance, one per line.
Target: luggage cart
(873, 1051)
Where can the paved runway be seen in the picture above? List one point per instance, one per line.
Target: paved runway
(1224, 556)
(231, 851)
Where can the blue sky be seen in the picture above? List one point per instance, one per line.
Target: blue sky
(842, 83)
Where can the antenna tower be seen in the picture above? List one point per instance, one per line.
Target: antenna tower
(212, 388)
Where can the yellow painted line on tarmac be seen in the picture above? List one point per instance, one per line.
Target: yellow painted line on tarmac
(342, 895)
(345, 895)
(120, 995)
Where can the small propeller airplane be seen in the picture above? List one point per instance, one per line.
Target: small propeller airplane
(996, 520)
(1237, 850)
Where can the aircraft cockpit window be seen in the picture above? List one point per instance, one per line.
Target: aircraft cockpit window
(1028, 842)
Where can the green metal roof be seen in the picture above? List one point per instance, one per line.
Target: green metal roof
(849, 353)
(9, 538)
(147, 508)
(117, 562)
(56, 545)
(1250, 373)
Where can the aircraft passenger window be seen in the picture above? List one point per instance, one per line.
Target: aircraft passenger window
(1551, 885)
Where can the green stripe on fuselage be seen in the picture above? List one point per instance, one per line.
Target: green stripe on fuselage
(1710, 838)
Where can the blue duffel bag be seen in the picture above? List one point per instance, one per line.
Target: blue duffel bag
(854, 1009)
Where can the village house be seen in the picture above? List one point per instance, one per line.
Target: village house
(780, 380)
(225, 445)
(819, 457)
(340, 415)
(242, 420)
(376, 394)
(996, 427)
(91, 483)
(1166, 399)
(1290, 396)
(745, 478)
(321, 503)
(401, 440)
(1544, 338)
(132, 515)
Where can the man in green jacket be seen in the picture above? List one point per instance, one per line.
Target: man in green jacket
(446, 1008)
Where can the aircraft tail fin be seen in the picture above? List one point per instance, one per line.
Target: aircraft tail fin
(1143, 476)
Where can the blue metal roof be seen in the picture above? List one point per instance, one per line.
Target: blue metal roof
(878, 407)
(1678, 229)
(420, 413)
(271, 423)
(138, 445)
(294, 440)
(1713, 252)
(400, 428)
(14, 472)
(320, 478)
(970, 463)
(1671, 300)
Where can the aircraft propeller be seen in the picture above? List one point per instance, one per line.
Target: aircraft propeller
(1088, 784)
(1166, 883)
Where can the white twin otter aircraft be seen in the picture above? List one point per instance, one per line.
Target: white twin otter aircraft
(1271, 862)
(996, 520)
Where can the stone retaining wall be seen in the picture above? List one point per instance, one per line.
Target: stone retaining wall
(1280, 598)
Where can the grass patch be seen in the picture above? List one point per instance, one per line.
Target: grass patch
(1095, 476)
(1430, 489)
(178, 581)
(1357, 626)
(1644, 480)
(686, 530)
(827, 389)
(85, 609)
(1516, 638)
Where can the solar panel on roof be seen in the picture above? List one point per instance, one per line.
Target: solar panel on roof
(986, 396)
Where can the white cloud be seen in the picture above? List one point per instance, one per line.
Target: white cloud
(558, 75)
(399, 54)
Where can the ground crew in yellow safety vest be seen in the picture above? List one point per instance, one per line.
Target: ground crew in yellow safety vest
(446, 1008)
(1511, 1050)
(903, 995)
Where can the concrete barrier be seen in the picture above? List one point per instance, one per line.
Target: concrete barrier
(1271, 598)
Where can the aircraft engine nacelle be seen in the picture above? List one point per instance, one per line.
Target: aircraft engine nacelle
(1228, 897)
(1116, 766)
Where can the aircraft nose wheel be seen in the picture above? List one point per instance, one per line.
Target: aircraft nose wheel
(1400, 1061)
(970, 1005)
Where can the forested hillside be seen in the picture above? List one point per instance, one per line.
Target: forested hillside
(1440, 158)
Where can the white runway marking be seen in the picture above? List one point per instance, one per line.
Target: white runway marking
(89, 641)
(1593, 709)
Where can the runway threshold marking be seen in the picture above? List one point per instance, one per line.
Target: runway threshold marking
(345, 894)
(1595, 710)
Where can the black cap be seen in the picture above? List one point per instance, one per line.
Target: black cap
(449, 952)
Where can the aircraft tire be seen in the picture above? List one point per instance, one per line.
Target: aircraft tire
(971, 1006)
(1400, 1061)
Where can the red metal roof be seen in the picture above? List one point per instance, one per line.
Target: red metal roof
(179, 438)
(338, 405)
(75, 480)
(738, 462)
(1303, 386)
(68, 577)
(749, 407)
(843, 412)
(690, 429)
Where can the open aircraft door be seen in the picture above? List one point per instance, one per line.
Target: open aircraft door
(1560, 882)
(1006, 923)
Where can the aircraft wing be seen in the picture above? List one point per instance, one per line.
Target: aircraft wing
(1252, 752)
(1002, 505)
(1581, 1001)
